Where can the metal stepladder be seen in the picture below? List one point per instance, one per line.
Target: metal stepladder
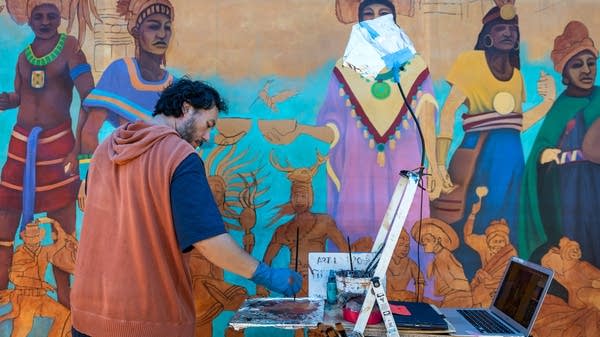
(386, 240)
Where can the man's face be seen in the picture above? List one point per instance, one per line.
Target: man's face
(580, 71)
(504, 36)
(196, 125)
(44, 21)
(155, 34)
(374, 11)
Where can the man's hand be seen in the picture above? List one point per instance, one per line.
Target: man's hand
(281, 280)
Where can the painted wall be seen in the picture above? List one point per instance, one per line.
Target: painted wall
(273, 62)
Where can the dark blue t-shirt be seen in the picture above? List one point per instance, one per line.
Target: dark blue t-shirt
(195, 213)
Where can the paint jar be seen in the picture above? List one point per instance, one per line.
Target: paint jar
(352, 282)
(331, 288)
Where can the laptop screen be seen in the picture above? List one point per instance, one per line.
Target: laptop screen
(521, 291)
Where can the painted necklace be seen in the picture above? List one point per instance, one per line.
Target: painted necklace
(381, 89)
(38, 74)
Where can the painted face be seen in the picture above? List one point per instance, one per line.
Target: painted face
(403, 244)
(504, 36)
(155, 34)
(374, 11)
(301, 199)
(574, 252)
(496, 243)
(44, 21)
(428, 242)
(197, 124)
(580, 71)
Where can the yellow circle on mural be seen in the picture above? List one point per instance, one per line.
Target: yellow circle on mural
(508, 12)
(504, 103)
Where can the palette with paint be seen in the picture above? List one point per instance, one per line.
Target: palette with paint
(285, 313)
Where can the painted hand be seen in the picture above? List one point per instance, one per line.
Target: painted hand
(546, 87)
(279, 131)
(549, 155)
(281, 280)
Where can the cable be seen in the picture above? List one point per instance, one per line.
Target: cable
(420, 172)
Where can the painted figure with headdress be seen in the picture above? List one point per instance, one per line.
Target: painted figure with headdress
(447, 273)
(371, 133)
(488, 81)
(561, 188)
(41, 172)
(129, 87)
(494, 249)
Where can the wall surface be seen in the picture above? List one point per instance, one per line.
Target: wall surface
(306, 147)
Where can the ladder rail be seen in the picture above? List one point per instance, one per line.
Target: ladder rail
(393, 223)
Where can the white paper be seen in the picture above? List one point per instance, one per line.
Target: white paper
(371, 41)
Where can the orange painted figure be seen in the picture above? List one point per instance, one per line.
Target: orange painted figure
(401, 271)
(29, 298)
(447, 272)
(41, 172)
(494, 249)
(313, 228)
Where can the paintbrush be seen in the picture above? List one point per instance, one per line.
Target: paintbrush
(373, 262)
(349, 252)
(297, 244)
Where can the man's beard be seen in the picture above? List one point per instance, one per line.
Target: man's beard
(187, 131)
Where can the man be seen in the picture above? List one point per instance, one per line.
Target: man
(40, 174)
(149, 200)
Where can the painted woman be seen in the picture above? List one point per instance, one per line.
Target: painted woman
(488, 81)
(561, 186)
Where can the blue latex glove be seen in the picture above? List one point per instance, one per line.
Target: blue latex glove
(281, 280)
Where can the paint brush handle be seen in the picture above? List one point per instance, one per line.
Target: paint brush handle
(297, 245)
(350, 252)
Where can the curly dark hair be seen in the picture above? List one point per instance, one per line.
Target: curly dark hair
(198, 94)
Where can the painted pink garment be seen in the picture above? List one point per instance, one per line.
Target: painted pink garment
(366, 188)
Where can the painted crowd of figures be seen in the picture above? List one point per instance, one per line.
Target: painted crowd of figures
(479, 207)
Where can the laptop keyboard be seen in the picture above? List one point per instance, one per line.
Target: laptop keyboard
(484, 321)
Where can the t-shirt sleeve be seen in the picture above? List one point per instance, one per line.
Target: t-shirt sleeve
(195, 213)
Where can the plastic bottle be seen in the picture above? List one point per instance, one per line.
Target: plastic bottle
(331, 288)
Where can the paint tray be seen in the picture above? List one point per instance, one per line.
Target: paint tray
(284, 313)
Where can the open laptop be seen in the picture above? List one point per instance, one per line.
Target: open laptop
(515, 306)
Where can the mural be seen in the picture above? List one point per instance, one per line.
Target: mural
(507, 105)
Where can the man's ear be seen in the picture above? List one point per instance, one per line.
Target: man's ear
(135, 33)
(185, 107)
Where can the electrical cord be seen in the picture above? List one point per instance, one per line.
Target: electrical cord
(420, 172)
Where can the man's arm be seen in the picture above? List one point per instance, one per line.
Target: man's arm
(225, 253)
